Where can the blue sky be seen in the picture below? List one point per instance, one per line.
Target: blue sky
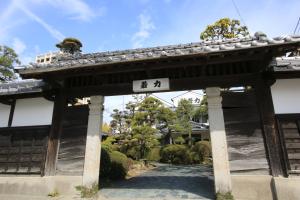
(33, 27)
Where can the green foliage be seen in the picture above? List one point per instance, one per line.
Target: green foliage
(224, 28)
(202, 110)
(224, 196)
(176, 154)
(179, 140)
(184, 114)
(8, 58)
(106, 128)
(119, 165)
(53, 194)
(70, 45)
(119, 123)
(87, 192)
(154, 154)
(105, 163)
(114, 164)
(108, 143)
(201, 152)
(145, 138)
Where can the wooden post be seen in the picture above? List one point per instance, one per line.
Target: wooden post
(268, 124)
(11, 113)
(54, 135)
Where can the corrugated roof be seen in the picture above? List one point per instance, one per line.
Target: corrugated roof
(68, 61)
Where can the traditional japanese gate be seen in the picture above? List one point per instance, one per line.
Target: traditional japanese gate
(206, 65)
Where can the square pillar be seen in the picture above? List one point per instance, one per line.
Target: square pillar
(93, 142)
(218, 141)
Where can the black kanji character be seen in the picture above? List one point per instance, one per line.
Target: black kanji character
(144, 84)
(157, 83)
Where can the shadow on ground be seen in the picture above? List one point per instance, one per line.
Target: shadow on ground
(165, 182)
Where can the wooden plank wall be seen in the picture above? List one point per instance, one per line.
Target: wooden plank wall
(72, 142)
(23, 149)
(246, 148)
(289, 126)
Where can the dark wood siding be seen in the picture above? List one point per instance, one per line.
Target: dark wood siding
(23, 149)
(289, 126)
(72, 142)
(244, 134)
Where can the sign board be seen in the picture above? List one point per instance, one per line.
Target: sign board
(193, 97)
(151, 85)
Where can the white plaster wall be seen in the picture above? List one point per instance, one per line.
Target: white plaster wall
(4, 114)
(32, 111)
(286, 96)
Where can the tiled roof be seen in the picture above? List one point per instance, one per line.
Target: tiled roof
(67, 61)
(21, 87)
(287, 64)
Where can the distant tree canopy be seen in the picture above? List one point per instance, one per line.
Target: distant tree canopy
(8, 58)
(70, 45)
(224, 28)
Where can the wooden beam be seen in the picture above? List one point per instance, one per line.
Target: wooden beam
(175, 84)
(55, 133)
(11, 113)
(269, 126)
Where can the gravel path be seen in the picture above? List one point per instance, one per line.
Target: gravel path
(165, 182)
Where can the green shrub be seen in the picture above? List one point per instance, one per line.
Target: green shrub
(105, 163)
(201, 152)
(134, 153)
(224, 196)
(114, 164)
(119, 165)
(176, 154)
(154, 154)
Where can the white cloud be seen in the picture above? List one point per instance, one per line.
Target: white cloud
(54, 32)
(77, 9)
(146, 25)
(18, 45)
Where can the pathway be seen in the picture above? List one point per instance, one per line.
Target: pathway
(165, 182)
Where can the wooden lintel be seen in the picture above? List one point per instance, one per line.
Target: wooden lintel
(269, 127)
(175, 85)
(55, 132)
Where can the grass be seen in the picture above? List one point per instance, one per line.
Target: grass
(53, 194)
(224, 196)
(87, 192)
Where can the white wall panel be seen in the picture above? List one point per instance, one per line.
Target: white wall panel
(286, 96)
(32, 111)
(4, 114)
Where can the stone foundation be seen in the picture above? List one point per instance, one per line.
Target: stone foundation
(252, 187)
(39, 186)
(287, 188)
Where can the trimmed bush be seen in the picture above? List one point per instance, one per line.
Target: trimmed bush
(154, 154)
(201, 152)
(175, 154)
(119, 167)
(105, 163)
(114, 164)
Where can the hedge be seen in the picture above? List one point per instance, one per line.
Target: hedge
(176, 154)
(114, 164)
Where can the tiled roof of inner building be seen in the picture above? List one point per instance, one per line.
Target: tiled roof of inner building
(21, 87)
(286, 64)
(67, 61)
